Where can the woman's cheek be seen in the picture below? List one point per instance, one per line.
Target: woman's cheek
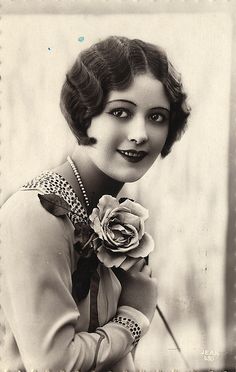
(159, 137)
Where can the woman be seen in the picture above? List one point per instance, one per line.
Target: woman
(76, 294)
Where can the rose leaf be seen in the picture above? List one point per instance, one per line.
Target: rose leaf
(54, 204)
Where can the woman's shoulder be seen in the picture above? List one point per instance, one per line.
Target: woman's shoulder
(20, 204)
(32, 237)
(27, 227)
(26, 200)
(24, 216)
(23, 211)
(50, 182)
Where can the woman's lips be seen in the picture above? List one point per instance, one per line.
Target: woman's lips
(132, 156)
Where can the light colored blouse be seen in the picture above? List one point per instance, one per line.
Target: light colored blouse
(42, 326)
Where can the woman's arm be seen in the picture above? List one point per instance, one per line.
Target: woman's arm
(37, 300)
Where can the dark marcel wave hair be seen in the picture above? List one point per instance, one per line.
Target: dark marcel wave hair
(111, 64)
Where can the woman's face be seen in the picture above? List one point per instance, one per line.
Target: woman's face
(132, 129)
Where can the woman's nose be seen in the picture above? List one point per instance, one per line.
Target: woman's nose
(137, 131)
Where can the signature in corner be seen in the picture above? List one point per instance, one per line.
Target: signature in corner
(209, 355)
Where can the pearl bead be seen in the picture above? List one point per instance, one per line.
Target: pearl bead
(77, 176)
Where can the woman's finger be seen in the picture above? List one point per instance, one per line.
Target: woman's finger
(138, 266)
(147, 270)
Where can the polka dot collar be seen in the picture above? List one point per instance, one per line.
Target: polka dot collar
(52, 183)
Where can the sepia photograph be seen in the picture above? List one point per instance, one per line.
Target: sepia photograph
(118, 224)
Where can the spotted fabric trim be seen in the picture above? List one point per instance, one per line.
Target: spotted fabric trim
(130, 324)
(52, 183)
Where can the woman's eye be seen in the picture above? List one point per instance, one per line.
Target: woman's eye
(157, 117)
(120, 113)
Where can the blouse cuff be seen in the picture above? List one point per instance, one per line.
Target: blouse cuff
(134, 320)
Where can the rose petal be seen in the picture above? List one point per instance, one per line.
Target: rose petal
(146, 245)
(119, 210)
(136, 208)
(106, 204)
(126, 217)
(108, 259)
(127, 238)
(117, 227)
(129, 219)
(104, 217)
(112, 243)
(110, 236)
(119, 235)
(130, 241)
(96, 226)
(93, 215)
(141, 229)
(125, 250)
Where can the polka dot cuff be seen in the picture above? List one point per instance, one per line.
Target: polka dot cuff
(131, 325)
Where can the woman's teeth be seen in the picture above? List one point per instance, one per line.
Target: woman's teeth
(132, 155)
(129, 153)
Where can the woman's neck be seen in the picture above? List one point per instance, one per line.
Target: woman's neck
(96, 183)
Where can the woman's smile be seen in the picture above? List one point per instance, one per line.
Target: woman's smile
(131, 131)
(132, 156)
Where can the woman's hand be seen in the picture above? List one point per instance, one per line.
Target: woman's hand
(139, 290)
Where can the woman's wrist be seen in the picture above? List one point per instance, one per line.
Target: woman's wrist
(133, 320)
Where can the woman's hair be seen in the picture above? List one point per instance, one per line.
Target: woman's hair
(111, 64)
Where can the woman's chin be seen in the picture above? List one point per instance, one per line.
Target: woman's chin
(129, 178)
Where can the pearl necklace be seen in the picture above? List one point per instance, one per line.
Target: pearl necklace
(78, 177)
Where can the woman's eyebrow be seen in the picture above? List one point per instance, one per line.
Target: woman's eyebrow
(160, 107)
(122, 100)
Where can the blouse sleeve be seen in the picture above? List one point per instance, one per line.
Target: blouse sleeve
(36, 295)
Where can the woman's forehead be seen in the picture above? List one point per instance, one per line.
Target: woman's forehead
(144, 90)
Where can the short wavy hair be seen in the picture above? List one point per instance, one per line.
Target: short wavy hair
(112, 64)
